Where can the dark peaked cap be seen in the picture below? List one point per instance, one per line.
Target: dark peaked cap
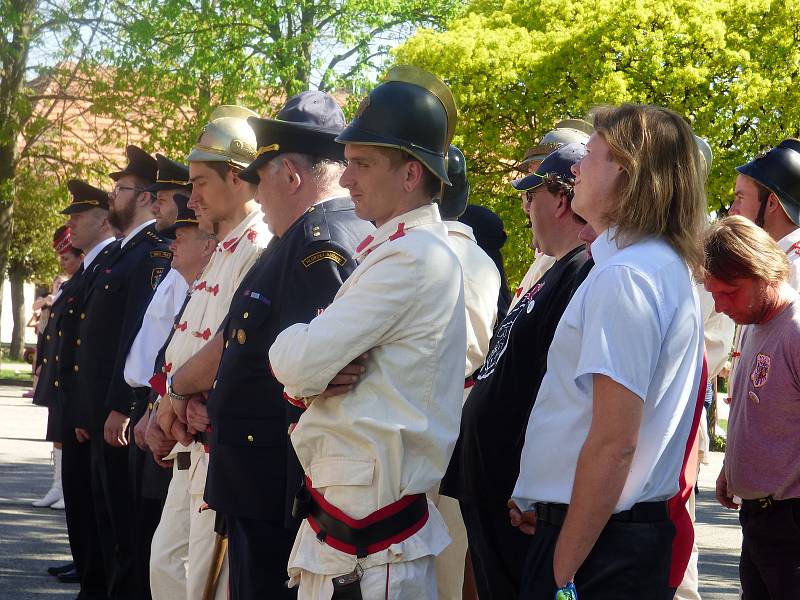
(307, 124)
(140, 163)
(85, 197)
(172, 175)
(185, 218)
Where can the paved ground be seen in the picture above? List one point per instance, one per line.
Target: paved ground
(31, 539)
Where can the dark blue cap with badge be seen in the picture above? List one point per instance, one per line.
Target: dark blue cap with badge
(185, 218)
(172, 175)
(307, 124)
(140, 164)
(85, 197)
(558, 163)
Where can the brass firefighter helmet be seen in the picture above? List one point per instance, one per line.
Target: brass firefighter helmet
(226, 138)
(565, 132)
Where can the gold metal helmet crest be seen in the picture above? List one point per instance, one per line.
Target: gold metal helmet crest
(435, 86)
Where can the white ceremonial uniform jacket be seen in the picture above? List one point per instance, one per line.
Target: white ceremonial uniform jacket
(213, 291)
(541, 264)
(791, 245)
(481, 288)
(393, 434)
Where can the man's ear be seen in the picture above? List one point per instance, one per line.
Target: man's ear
(414, 172)
(562, 206)
(292, 175)
(773, 203)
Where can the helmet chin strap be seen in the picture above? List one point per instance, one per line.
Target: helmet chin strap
(761, 211)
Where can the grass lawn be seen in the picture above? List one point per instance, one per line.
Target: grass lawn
(17, 371)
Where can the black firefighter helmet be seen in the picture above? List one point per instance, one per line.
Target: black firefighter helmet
(455, 197)
(779, 171)
(411, 110)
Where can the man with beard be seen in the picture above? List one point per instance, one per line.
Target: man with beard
(187, 557)
(112, 314)
(172, 180)
(747, 275)
(253, 483)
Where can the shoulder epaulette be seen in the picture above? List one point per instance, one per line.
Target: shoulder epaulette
(315, 225)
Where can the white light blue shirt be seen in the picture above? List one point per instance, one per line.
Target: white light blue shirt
(156, 325)
(636, 319)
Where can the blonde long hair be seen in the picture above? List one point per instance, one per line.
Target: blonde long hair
(662, 187)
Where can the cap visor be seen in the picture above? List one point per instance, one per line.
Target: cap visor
(528, 182)
(160, 187)
(250, 173)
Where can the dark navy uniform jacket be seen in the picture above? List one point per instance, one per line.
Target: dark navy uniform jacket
(63, 375)
(253, 471)
(112, 312)
(47, 348)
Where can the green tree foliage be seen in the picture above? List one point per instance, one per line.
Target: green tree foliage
(731, 67)
(40, 197)
(171, 62)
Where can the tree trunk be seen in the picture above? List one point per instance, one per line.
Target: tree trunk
(18, 310)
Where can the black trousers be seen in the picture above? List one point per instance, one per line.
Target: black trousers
(84, 540)
(114, 511)
(629, 561)
(769, 567)
(146, 515)
(497, 549)
(258, 552)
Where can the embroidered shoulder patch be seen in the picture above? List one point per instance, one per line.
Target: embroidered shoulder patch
(761, 370)
(155, 277)
(324, 255)
(161, 254)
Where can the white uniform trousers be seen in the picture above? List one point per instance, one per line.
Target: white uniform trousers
(414, 579)
(451, 561)
(183, 544)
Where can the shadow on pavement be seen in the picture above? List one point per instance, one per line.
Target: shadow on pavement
(31, 539)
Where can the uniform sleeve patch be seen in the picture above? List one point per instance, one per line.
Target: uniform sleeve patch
(324, 255)
(155, 276)
(161, 254)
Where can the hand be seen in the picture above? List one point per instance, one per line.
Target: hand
(115, 431)
(159, 443)
(724, 497)
(197, 413)
(346, 379)
(524, 521)
(81, 435)
(179, 408)
(140, 430)
(181, 433)
(165, 416)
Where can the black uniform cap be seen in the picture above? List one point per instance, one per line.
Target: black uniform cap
(172, 175)
(307, 124)
(140, 163)
(779, 171)
(85, 197)
(411, 110)
(455, 197)
(185, 218)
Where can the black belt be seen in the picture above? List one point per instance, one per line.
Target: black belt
(360, 537)
(767, 503)
(643, 512)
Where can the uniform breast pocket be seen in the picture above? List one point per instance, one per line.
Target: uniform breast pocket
(248, 319)
(257, 433)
